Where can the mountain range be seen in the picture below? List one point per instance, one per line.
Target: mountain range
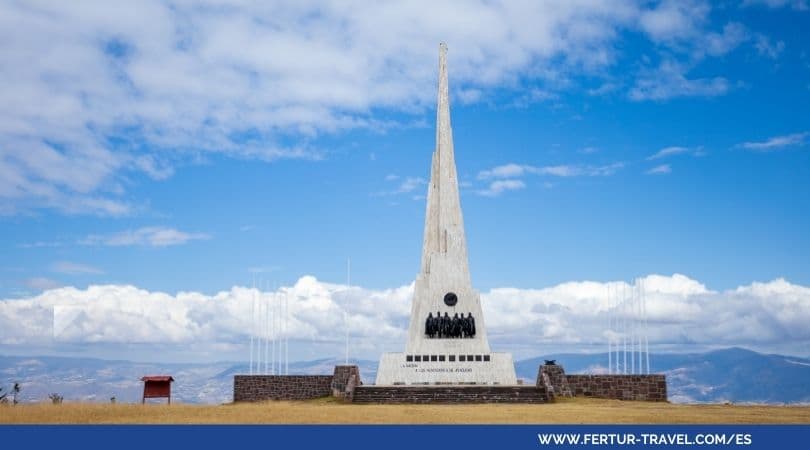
(729, 375)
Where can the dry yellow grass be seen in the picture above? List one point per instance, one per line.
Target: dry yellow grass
(328, 411)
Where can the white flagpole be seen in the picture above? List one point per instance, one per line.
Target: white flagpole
(624, 329)
(267, 299)
(633, 327)
(610, 331)
(264, 328)
(286, 335)
(252, 321)
(637, 326)
(260, 330)
(646, 329)
(345, 315)
(273, 334)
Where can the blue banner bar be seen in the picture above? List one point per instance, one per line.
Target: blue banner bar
(412, 437)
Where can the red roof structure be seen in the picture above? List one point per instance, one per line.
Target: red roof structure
(157, 386)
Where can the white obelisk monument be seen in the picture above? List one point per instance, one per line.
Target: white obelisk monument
(443, 287)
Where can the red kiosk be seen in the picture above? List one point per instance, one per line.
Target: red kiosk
(157, 386)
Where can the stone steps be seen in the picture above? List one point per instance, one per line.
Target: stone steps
(450, 394)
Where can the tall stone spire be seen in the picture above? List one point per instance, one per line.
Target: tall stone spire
(444, 225)
(443, 286)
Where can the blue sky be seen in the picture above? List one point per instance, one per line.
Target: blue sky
(593, 141)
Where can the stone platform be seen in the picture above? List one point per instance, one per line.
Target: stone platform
(450, 394)
(345, 383)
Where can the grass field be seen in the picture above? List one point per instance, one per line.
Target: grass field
(329, 411)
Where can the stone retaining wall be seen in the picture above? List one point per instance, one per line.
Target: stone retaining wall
(450, 394)
(621, 387)
(253, 388)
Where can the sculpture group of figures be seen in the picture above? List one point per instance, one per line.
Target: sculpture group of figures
(450, 327)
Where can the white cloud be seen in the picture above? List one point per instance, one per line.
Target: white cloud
(681, 312)
(660, 170)
(676, 150)
(604, 89)
(504, 171)
(776, 142)
(410, 184)
(469, 95)
(97, 92)
(42, 283)
(72, 268)
(506, 177)
(498, 187)
(718, 44)
(669, 80)
(767, 48)
(800, 5)
(513, 170)
(674, 19)
(405, 186)
(146, 236)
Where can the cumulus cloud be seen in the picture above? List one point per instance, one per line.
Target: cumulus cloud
(776, 142)
(146, 236)
(126, 314)
(680, 312)
(97, 92)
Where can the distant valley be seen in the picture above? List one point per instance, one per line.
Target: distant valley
(729, 375)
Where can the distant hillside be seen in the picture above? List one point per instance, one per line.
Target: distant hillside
(734, 374)
(87, 379)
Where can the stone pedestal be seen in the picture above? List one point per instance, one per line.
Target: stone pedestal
(553, 376)
(395, 369)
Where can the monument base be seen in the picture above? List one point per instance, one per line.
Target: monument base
(403, 369)
(452, 394)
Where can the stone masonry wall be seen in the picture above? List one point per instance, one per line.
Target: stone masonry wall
(451, 394)
(621, 387)
(554, 378)
(344, 380)
(252, 388)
